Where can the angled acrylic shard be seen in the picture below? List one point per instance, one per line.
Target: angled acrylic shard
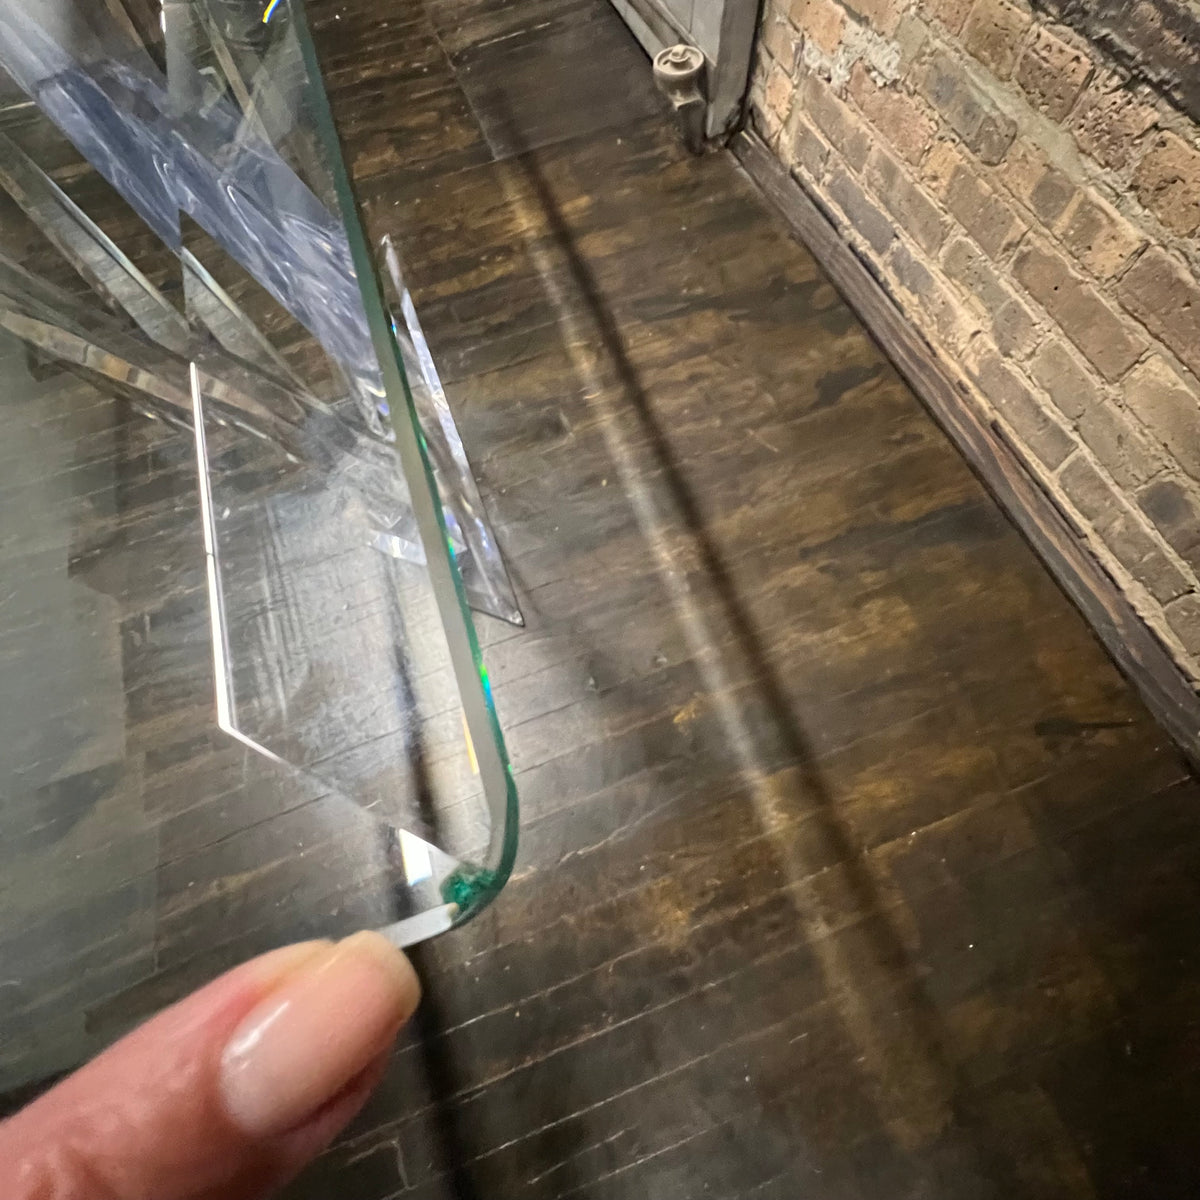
(484, 573)
(260, 212)
(360, 668)
(88, 249)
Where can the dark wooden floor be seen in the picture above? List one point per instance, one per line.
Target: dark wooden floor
(851, 868)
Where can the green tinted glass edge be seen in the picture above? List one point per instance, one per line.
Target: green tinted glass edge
(470, 891)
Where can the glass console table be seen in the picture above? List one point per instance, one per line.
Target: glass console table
(242, 699)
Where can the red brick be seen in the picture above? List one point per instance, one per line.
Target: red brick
(809, 150)
(1119, 445)
(777, 95)
(1098, 236)
(781, 41)
(1175, 512)
(1089, 492)
(957, 323)
(899, 119)
(821, 20)
(1109, 122)
(911, 273)
(1053, 73)
(1013, 328)
(995, 135)
(967, 266)
(843, 129)
(1168, 183)
(940, 165)
(1105, 340)
(1043, 188)
(967, 108)
(1184, 618)
(1129, 541)
(1065, 379)
(1021, 409)
(951, 13)
(1169, 407)
(864, 216)
(1164, 296)
(911, 35)
(960, 326)
(862, 88)
(1124, 534)
(915, 212)
(990, 220)
(883, 15)
(993, 34)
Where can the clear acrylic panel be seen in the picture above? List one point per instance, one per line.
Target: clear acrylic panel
(182, 268)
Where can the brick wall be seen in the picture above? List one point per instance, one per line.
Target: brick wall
(1035, 212)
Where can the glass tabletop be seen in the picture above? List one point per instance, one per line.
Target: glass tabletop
(240, 540)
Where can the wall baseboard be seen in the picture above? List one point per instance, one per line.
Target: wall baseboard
(1130, 642)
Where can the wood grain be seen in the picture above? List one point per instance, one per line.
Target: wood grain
(851, 866)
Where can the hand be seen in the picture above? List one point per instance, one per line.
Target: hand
(228, 1093)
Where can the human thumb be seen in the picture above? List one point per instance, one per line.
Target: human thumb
(226, 1094)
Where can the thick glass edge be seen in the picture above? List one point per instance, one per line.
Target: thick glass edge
(473, 892)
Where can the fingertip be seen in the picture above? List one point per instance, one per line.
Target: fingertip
(212, 1096)
(270, 969)
(334, 1013)
(394, 962)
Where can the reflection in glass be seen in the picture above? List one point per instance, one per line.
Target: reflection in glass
(180, 241)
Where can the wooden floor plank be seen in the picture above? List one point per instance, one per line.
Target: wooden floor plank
(851, 865)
